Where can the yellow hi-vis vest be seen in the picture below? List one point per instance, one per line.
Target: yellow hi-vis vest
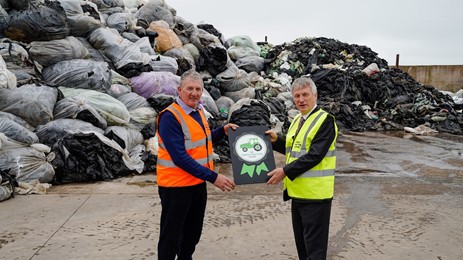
(198, 144)
(318, 182)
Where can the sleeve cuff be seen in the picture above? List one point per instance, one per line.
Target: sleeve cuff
(213, 177)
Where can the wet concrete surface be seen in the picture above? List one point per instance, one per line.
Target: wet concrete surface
(397, 196)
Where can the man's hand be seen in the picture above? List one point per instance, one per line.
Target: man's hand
(224, 183)
(272, 134)
(229, 125)
(276, 176)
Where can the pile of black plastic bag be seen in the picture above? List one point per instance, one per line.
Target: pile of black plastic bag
(81, 84)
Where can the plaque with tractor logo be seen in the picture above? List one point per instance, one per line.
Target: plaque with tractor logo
(251, 154)
(253, 143)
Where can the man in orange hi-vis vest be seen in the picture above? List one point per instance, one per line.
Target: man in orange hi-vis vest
(183, 167)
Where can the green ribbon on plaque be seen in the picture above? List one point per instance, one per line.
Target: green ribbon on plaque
(249, 169)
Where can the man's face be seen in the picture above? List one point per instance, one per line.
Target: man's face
(304, 99)
(191, 92)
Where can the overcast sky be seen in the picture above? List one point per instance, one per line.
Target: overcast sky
(423, 32)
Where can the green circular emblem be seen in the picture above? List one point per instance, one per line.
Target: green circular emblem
(250, 148)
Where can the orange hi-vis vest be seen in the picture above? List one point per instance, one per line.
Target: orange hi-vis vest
(198, 145)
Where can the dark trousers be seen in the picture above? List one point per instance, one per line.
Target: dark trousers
(311, 226)
(182, 219)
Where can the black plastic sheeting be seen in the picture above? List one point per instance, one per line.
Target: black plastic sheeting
(84, 158)
(213, 59)
(160, 102)
(148, 131)
(43, 23)
(277, 108)
(256, 113)
(325, 51)
(150, 161)
(8, 184)
(394, 98)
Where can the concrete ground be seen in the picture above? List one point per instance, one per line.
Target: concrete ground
(397, 196)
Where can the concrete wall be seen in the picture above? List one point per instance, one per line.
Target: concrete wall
(442, 77)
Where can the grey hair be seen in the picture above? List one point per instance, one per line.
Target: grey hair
(191, 75)
(303, 82)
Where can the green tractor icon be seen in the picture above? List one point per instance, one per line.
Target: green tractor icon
(252, 143)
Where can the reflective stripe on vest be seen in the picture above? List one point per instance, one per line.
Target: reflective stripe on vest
(198, 144)
(169, 163)
(318, 182)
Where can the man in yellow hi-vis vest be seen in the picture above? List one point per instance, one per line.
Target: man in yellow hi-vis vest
(309, 170)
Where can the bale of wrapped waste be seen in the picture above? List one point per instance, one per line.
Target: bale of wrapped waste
(42, 23)
(50, 52)
(31, 102)
(85, 157)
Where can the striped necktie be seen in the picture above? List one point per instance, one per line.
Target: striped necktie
(301, 122)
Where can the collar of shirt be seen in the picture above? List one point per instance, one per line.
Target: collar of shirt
(186, 108)
(310, 112)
